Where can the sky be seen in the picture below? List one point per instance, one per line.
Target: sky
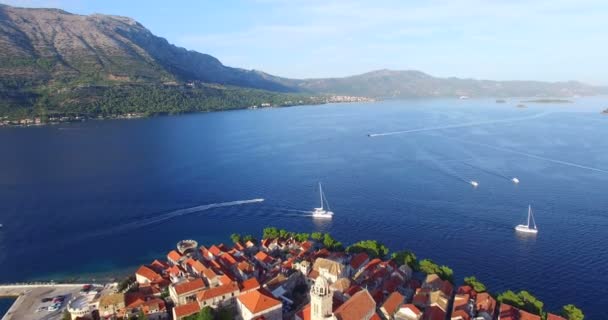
(555, 40)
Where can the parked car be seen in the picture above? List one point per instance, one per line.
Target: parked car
(46, 300)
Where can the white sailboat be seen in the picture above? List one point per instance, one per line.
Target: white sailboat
(526, 227)
(321, 212)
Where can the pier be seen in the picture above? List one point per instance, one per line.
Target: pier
(29, 299)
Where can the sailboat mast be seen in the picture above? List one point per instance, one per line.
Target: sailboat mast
(529, 214)
(321, 195)
(533, 221)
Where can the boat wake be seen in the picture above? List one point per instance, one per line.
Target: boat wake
(446, 170)
(462, 125)
(170, 215)
(533, 156)
(494, 173)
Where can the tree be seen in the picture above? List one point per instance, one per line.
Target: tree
(248, 238)
(429, 267)
(141, 315)
(522, 300)
(331, 243)
(372, 247)
(301, 237)
(317, 236)
(270, 233)
(205, 314)
(225, 314)
(475, 284)
(571, 312)
(405, 257)
(66, 315)
(235, 237)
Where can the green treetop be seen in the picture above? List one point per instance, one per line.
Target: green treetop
(405, 257)
(429, 267)
(571, 312)
(522, 300)
(475, 284)
(372, 247)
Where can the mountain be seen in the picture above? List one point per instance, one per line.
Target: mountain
(406, 84)
(51, 44)
(52, 61)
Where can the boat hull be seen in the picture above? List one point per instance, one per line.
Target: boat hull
(524, 229)
(322, 214)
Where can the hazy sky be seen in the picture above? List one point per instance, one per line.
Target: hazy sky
(503, 39)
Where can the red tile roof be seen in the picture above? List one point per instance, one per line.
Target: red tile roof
(375, 317)
(250, 284)
(392, 303)
(306, 245)
(508, 312)
(134, 299)
(258, 301)
(174, 256)
(227, 259)
(238, 246)
(359, 306)
(225, 279)
(214, 250)
(217, 291)
(190, 286)
(148, 273)
(485, 302)
(352, 290)
(158, 266)
(175, 270)
(358, 260)
(304, 314)
(447, 288)
(551, 316)
(434, 313)
(186, 309)
(263, 257)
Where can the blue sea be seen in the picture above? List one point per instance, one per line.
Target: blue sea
(104, 196)
(5, 304)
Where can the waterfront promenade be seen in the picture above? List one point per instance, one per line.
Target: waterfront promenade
(29, 299)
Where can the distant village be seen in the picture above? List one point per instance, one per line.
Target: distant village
(39, 121)
(288, 277)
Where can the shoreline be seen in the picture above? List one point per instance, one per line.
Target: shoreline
(36, 121)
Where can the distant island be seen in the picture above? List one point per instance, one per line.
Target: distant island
(288, 275)
(548, 101)
(59, 65)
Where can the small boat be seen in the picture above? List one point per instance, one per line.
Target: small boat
(515, 180)
(321, 212)
(525, 228)
(463, 97)
(474, 183)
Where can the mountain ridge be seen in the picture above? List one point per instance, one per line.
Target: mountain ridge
(50, 56)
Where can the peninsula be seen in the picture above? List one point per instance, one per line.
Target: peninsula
(288, 275)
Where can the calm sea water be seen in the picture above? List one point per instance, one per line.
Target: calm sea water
(106, 195)
(5, 304)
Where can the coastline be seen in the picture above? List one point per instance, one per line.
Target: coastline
(37, 121)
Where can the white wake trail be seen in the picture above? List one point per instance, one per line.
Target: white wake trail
(173, 214)
(462, 125)
(533, 156)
